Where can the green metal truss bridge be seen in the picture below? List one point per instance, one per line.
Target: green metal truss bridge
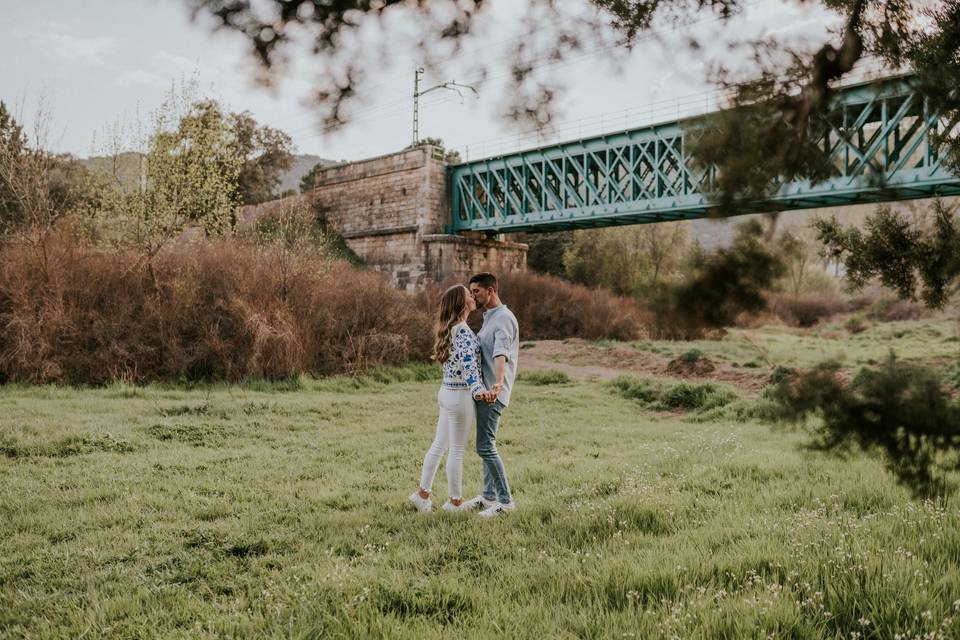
(879, 141)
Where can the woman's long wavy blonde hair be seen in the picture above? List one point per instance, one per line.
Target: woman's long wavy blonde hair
(452, 303)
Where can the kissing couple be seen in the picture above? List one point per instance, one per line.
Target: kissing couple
(478, 375)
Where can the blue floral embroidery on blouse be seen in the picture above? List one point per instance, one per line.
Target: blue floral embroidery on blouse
(462, 368)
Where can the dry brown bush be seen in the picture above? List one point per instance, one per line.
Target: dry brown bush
(548, 307)
(807, 310)
(220, 311)
(890, 309)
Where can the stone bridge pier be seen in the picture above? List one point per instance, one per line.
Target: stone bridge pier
(393, 211)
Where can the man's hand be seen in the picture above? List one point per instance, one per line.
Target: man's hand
(493, 393)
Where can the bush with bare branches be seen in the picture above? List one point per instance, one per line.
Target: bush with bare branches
(218, 311)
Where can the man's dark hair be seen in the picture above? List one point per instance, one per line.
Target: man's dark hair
(485, 280)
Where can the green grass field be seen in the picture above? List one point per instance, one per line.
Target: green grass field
(279, 511)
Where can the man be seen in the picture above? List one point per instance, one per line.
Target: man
(499, 348)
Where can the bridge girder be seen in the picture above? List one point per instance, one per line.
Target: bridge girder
(878, 140)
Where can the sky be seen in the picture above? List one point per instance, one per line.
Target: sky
(97, 63)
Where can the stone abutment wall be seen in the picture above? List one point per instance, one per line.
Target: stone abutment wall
(392, 211)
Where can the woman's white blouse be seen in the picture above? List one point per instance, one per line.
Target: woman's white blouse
(462, 368)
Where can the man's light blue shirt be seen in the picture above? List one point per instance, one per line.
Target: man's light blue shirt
(499, 336)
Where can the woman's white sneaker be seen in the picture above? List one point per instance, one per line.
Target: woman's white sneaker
(421, 504)
(455, 508)
(497, 508)
(479, 503)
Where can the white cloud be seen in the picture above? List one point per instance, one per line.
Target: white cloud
(80, 50)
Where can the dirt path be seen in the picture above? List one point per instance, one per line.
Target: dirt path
(585, 361)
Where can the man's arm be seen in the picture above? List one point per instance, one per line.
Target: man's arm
(499, 371)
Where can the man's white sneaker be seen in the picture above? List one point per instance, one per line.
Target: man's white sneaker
(497, 508)
(479, 503)
(455, 508)
(423, 505)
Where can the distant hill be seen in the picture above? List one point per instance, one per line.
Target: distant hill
(127, 169)
(302, 163)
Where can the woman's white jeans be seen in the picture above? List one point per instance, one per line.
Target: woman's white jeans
(457, 414)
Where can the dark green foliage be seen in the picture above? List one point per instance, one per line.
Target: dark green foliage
(660, 395)
(545, 252)
(309, 179)
(782, 374)
(913, 260)
(692, 362)
(721, 286)
(544, 377)
(281, 385)
(696, 397)
(186, 410)
(754, 150)
(13, 143)
(690, 357)
(898, 410)
(195, 434)
(645, 390)
(266, 153)
(855, 324)
(70, 446)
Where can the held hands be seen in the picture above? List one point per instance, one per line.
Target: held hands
(491, 396)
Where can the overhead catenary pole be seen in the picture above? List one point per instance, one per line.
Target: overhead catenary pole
(416, 104)
(452, 86)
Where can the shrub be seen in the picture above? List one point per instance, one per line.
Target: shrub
(550, 308)
(544, 377)
(855, 324)
(696, 397)
(691, 362)
(889, 309)
(219, 311)
(897, 410)
(718, 289)
(807, 310)
(662, 395)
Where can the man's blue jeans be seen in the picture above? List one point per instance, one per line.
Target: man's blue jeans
(495, 485)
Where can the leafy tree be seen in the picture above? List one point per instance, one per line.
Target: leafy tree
(804, 269)
(13, 144)
(309, 180)
(919, 259)
(190, 173)
(266, 154)
(545, 251)
(627, 260)
(720, 286)
(897, 410)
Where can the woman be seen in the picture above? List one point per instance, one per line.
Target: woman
(457, 347)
